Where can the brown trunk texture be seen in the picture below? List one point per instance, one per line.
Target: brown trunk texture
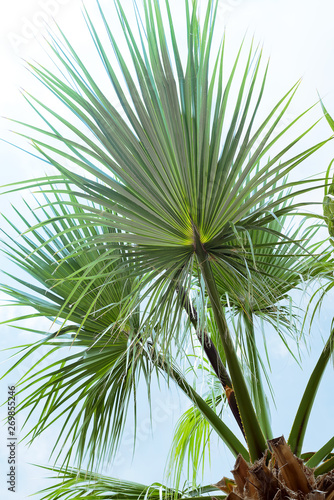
(283, 476)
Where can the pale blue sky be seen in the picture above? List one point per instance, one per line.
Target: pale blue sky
(299, 39)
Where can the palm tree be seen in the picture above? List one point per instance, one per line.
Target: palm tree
(167, 224)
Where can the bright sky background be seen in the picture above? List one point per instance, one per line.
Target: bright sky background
(299, 38)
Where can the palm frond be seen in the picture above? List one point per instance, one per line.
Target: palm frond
(77, 484)
(191, 443)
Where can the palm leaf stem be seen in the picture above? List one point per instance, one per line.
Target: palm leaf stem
(260, 402)
(254, 436)
(321, 454)
(232, 442)
(212, 355)
(327, 466)
(218, 425)
(298, 430)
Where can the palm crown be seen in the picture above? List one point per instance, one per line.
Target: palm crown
(168, 220)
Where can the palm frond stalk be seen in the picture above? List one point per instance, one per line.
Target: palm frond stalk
(253, 432)
(213, 357)
(260, 402)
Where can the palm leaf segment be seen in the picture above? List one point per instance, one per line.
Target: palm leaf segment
(177, 186)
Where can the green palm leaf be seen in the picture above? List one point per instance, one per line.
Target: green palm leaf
(78, 484)
(191, 441)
